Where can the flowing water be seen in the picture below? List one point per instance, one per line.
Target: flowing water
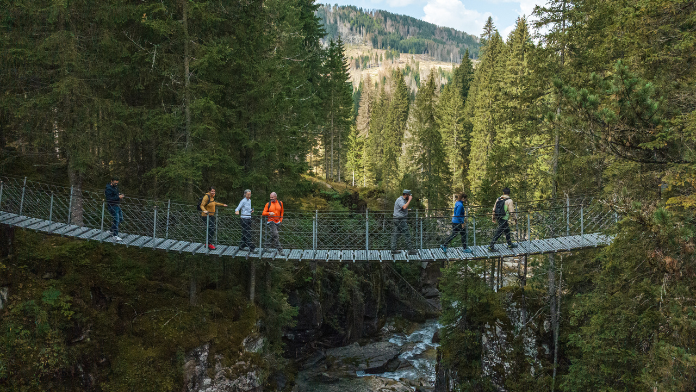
(418, 354)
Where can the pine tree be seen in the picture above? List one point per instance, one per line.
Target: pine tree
(338, 104)
(484, 111)
(429, 149)
(393, 131)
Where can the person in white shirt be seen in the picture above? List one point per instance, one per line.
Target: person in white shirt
(244, 208)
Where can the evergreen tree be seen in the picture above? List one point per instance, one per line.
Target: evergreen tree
(338, 104)
(429, 149)
(394, 130)
(484, 108)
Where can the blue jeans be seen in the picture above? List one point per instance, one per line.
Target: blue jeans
(117, 214)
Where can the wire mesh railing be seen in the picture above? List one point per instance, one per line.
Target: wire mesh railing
(159, 221)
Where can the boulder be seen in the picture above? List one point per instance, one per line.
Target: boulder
(196, 377)
(369, 356)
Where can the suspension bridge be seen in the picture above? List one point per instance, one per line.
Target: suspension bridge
(547, 226)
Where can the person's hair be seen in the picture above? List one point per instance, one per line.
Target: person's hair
(114, 178)
(212, 188)
(462, 196)
(247, 191)
(506, 191)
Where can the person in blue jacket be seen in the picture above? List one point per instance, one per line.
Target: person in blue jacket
(113, 202)
(458, 224)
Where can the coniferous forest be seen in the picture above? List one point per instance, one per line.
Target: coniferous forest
(584, 97)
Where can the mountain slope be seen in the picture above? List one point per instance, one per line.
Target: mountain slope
(384, 30)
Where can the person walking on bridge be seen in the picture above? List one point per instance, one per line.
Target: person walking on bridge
(274, 210)
(503, 211)
(245, 209)
(207, 207)
(458, 224)
(401, 222)
(113, 201)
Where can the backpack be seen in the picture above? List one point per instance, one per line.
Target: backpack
(200, 201)
(499, 210)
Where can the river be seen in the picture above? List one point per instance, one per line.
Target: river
(397, 360)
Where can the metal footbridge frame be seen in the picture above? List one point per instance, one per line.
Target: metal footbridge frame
(548, 226)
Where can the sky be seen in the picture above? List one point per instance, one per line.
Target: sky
(465, 15)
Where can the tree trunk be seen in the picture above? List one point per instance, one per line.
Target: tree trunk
(187, 87)
(77, 210)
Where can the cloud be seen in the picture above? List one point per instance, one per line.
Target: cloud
(453, 13)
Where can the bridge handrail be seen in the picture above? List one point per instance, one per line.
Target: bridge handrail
(317, 230)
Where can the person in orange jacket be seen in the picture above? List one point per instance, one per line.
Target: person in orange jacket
(207, 209)
(274, 211)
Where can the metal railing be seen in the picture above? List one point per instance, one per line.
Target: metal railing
(315, 230)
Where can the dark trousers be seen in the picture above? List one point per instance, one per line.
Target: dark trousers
(457, 228)
(246, 234)
(210, 220)
(117, 214)
(401, 227)
(272, 234)
(503, 227)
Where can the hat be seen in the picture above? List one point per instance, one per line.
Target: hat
(407, 192)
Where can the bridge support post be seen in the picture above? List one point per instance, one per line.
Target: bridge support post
(70, 206)
(261, 235)
(582, 223)
(473, 218)
(2, 184)
(50, 212)
(367, 231)
(102, 217)
(154, 229)
(207, 233)
(315, 231)
(568, 215)
(166, 232)
(529, 229)
(21, 202)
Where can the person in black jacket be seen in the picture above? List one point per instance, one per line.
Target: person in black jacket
(113, 202)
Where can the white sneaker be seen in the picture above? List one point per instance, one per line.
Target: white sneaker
(117, 238)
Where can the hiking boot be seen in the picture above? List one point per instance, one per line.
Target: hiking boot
(511, 246)
(211, 246)
(492, 249)
(467, 250)
(254, 250)
(396, 252)
(280, 250)
(117, 238)
(444, 248)
(413, 252)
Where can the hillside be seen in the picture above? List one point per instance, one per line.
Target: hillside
(384, 30)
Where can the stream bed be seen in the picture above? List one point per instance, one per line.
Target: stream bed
(400, 359)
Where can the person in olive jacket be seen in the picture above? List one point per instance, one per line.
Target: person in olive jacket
(208, 205)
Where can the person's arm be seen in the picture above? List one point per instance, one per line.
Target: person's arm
(511, 210)
(220, 204)
(493, 212)
(282, 211)
(410, 197)
(239, 207)
(265, 210)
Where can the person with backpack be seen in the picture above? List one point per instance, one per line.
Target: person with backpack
(503, 210)
(401, 222)
(274, 210)
(113, 202)
(206, 206)
(245, 209)
(458, 224)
